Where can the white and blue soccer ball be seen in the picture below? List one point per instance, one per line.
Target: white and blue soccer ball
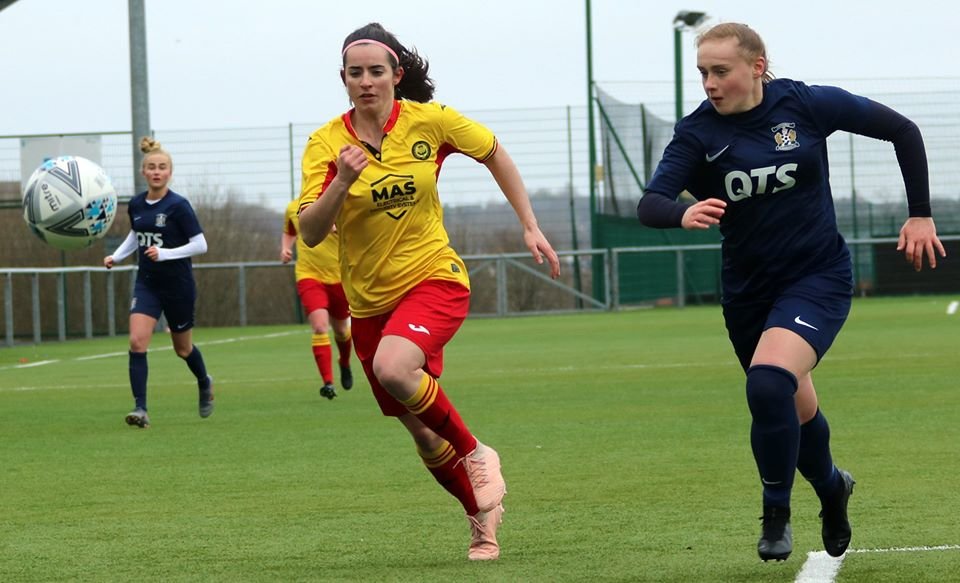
(69, 202)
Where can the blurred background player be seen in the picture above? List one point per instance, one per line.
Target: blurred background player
(754, 155)
(317, 272)
(165, 232)
(373, 172)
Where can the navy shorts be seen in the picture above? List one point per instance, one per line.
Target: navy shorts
(177, 304)
(815, 307)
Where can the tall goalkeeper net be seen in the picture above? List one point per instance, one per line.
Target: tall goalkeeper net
(632, 141)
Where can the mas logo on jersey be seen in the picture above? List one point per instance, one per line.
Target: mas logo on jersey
(785, 135)
(161, 220)
(421, 150)
(394, 194)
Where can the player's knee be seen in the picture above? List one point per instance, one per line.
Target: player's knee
(139, 343)
(769, 387)
(387, 372)
(393, 372)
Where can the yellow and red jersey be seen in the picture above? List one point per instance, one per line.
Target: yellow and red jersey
(321, 262)
(391, 224)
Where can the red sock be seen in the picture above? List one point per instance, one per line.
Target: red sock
(431, 406)
(442, 463)
(344, 346)
(323, 356)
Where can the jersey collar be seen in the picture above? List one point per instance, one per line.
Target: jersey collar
(391, 121)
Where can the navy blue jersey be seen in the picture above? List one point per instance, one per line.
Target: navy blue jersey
(168, 223)
(770, 165)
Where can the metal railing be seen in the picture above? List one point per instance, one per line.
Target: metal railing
(508, 268)
(506, 284)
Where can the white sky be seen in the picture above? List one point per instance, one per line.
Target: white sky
(64, 64)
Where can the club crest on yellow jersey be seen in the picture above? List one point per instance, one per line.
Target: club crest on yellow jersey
(421, 150)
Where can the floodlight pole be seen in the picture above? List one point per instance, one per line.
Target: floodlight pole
(591, 155)
(678, 70)
(684, 19)
(139, 93)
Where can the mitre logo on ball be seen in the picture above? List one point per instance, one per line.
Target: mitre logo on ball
(69, 202)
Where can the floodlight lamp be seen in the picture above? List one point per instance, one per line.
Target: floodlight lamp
(689, 18)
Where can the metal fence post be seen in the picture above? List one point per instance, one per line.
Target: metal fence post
(61, 307)
(35, 297)
(242, 294)
(111, 306)
(87, 306)
(8, 307)
(293, 192)
(613, 289)
(501, 286)
(681, 281)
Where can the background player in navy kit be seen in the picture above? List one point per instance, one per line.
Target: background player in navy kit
(754, 156)
(165, 231)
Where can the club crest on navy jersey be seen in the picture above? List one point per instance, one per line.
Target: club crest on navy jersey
(785, 135)
(161, 220)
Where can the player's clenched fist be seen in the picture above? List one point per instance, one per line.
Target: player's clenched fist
(351, 163)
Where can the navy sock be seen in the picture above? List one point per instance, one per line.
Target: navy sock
(775, 432)
(138, 378)
(814, 460)
(197, 367)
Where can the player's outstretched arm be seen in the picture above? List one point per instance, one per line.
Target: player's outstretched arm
(918, 237)
(197, 245)
(128, 246)
(505, 172)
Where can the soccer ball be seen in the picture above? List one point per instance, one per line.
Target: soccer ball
(69, 202)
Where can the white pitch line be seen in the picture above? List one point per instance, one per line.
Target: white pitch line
(819, 568)
(232, 382)
(528, 370)
(33, 364)
(113, 354)
(658, 365)
(106, 355)
(908, 549)
(822, 568)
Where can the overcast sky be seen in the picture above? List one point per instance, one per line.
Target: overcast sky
(64, 64)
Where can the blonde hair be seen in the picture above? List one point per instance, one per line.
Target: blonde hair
(151, 146)
(751, 45)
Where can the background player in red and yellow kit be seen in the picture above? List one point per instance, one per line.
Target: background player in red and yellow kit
(373, 173)
(318, 284)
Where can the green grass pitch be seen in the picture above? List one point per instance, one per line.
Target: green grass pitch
(624, 438)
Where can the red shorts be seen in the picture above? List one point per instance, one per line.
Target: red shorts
(316, 295)
(429, 315)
